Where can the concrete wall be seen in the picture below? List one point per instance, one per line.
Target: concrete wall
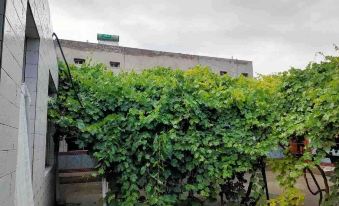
(42, 67)
(139, 59)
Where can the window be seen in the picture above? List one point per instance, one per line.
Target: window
(79, 61)
(114, 64)
(244, 74)
(223, 72)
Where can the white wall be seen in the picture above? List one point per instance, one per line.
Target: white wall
(10, 81)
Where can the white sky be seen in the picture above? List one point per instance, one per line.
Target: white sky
(274, 34)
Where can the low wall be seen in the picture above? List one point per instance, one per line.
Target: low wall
(75, 161)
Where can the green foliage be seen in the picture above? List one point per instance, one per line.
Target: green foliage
(290, 197)
(307, 103)
(333, 198)
(172, 137)
(289, 169)
(165, 136)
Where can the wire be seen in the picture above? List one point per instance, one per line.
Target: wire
(68, 70)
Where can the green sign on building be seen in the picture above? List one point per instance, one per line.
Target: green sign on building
(108, 37)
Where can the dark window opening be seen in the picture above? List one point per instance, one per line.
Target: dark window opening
(114, 64)
(79, 61)
(223, 72)
(244, 74)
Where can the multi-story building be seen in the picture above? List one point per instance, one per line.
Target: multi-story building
(119, 58)
(28, 76)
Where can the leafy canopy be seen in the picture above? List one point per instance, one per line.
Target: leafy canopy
(163, 137)
(163, 134)
(307, 104)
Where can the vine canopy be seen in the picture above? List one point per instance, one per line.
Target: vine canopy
(164, 136)
(168, 133)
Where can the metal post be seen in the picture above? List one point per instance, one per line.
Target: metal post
(263, 172)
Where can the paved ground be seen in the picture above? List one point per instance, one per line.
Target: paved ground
(89, 194)
(310, 200)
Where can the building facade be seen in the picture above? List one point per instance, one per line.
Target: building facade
(28, 76)
(119, 58)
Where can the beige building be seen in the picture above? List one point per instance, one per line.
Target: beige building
(119, 58)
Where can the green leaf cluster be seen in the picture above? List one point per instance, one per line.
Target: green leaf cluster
(290, 197)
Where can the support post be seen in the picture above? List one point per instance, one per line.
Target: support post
(263, 172)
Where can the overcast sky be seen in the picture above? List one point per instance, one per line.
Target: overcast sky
(274, 34)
